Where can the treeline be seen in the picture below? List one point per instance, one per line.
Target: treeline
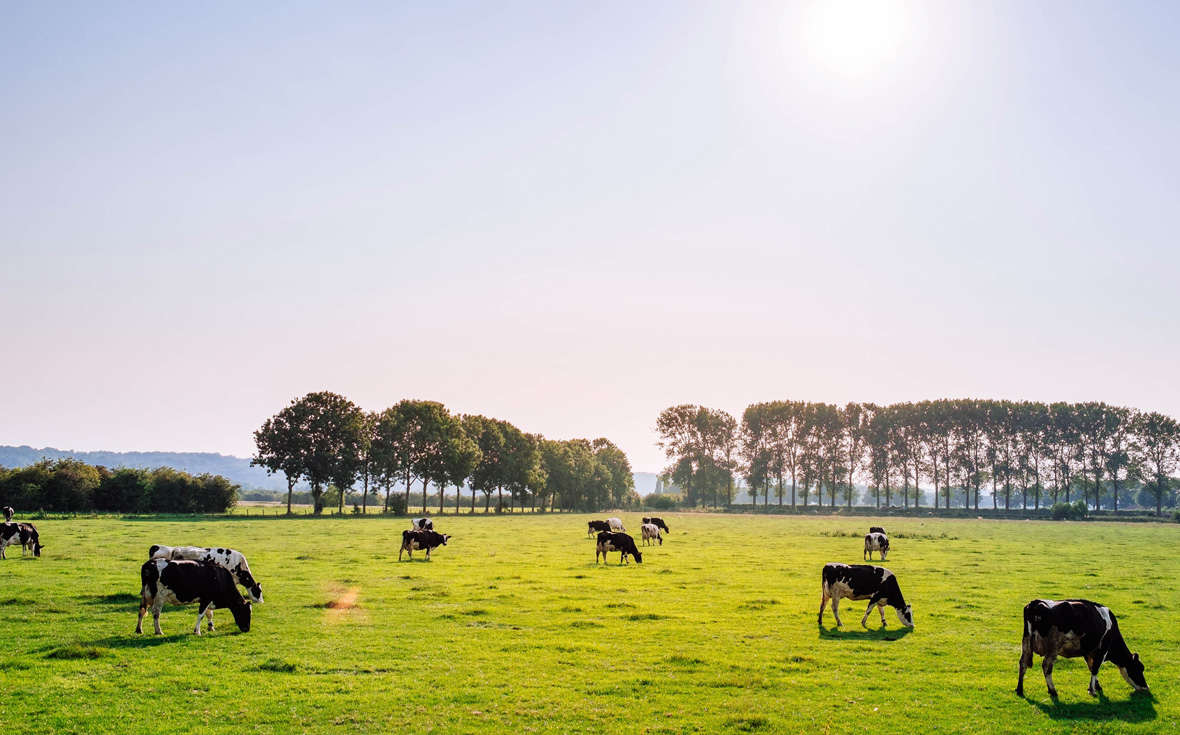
(328, 441)
(1025, 453)
(71, 486)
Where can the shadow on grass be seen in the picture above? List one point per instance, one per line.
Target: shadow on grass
(119, 599)
(1139, 707)
(864, 634)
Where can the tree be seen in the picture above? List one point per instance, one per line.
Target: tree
(621, 479)
(488, 472)
(679, 431)
(461, 457)
(1156, 453)
(317, 437)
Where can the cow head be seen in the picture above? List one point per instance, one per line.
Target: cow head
(255, 592)
(445, 537)
(37, 548)
(1133, 673)
(906, 615)
(242, 616)
(638, 557)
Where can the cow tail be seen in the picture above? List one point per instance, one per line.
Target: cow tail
(149, 574)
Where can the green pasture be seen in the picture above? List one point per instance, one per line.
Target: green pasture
(513, 627)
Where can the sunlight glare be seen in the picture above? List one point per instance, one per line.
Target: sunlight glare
(854, 38)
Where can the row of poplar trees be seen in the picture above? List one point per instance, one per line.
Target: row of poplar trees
(1023, 451)
(327, 441)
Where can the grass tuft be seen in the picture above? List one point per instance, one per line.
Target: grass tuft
(278, 666)
(78, 651)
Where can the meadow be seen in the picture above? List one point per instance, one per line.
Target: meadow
(513, 626)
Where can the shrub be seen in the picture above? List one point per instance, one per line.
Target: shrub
(1080, 511)
(659, 502)
(1061, 511)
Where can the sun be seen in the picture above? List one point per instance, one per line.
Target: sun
(854, 38)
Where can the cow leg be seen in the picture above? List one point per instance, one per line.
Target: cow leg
(864, 622)
(399, 553)
(157, 608)
(1026, 654)
(200, 614)
(142, 610)
(209, 614)
(881, 609)
(661, 538)
(1047, 667)
(427, 553)
(1093, 662)
(836, 611)
(823, 602)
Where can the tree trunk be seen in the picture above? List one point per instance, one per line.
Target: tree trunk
(499, 498)
(407, 491)
(1159, 498)
(365, 497)
(442, 496)
(290, 490)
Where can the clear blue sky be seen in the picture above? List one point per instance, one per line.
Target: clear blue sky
(571, 215)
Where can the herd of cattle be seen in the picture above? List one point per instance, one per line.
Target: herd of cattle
(209, 577)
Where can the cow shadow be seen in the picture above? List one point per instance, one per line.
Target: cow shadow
(1139, 707)
(119, 599)
(864, 634)
(149, 640)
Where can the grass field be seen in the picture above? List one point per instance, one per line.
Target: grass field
(513, 626)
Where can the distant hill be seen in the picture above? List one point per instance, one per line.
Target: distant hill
(236, 469)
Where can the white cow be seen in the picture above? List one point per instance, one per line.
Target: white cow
(232, 560)
(651, 531)
(616, 524)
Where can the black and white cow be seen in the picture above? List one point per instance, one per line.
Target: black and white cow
(863, 582)
(1073, 628)
(621, 542)
(876, 529)
(167, 582)
(232, 560)
(8, 513)
(417, 540)
(659, 522)
(423, 524)
(651, 531)
(593, 527)
(877, 542)
(24, 534)
(616, 524)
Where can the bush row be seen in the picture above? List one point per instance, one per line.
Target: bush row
(69, 485)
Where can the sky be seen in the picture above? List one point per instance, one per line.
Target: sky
(573, 215)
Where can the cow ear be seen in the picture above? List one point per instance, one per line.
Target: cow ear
(1135, 656)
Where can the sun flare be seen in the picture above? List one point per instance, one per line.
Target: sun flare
(856, 37)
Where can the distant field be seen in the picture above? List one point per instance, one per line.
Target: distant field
(513, 627)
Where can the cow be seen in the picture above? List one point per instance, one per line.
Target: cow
(621, 542)
(651, 531)
(593, 527)
(878, 542)
(876, 529)
(23, 533)
(863, 582)
(416, 540)
(615, 524)
(422, 524)
(232, 560)
(167, 582)
(8, 513)
(659, 522)
(1073, 628)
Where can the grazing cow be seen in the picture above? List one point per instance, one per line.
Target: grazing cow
(167, 582)
(23, 533)
(593, 527)
(650, 531)
(621, 542)
(615, 524)
(876, 529)
(232, 560)
(863, 582)
(416, 540)
(877, 542)
(659, 522)
(8, 513)
(1073, 628)
(423, 524)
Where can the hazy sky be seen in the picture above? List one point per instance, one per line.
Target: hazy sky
(572, 215)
